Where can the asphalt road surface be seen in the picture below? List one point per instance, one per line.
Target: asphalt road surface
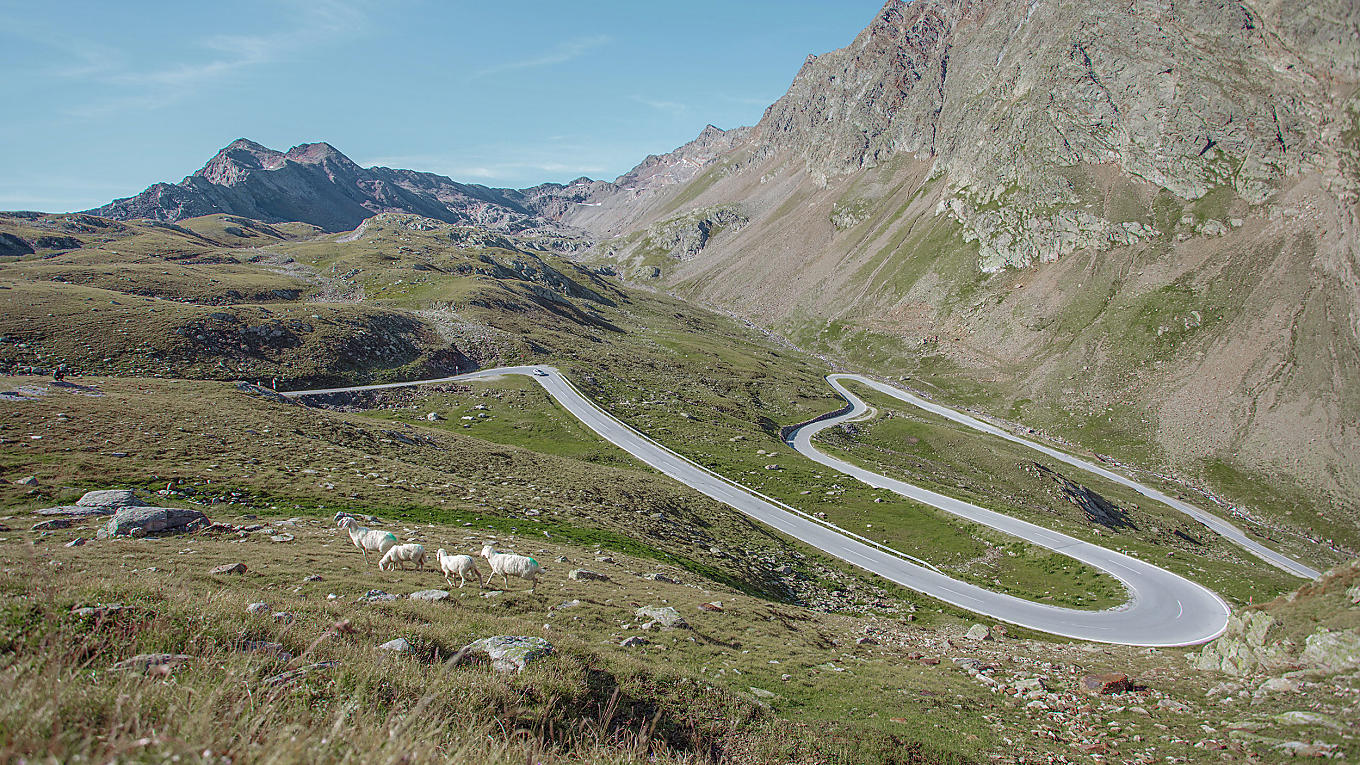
(1164, 609)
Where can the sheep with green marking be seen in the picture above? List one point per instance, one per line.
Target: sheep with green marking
(508, 565)
(368, 540)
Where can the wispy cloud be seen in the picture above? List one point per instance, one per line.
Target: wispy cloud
(673, 107)
(129, 85)
(560, 54)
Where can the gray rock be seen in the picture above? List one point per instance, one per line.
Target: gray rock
(432, 596)
(400, 645)
(145, 521)
(282, 537)
(229, 568)
(507, 653)
(299, 673)
(257, 608)
(660, 578)
(1333, 650)
(29, 481)
(978, 632)
(110, 498)
(664, 616)
(55, 523)
(263, 646)
(634, 641)
(77, 542)
(375, 596)
(761, 693)
(152, 662)
(312, 578)
(282, 617)
(76, 511)
(584, 575)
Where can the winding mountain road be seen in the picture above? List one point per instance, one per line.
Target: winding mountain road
(1164, 609)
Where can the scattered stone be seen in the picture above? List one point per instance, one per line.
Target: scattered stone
(257, 608)
(375, 596)
(294, 674)
(584, 575)
(978, 632)
(152, 663)
(229, 568)
(281, 537)
(660, 578)
(761, 693)
(262, 646)
(507, 653)
(1106, 683)
(1173, 705)
(77, 542)
(965, 662)
(313, 578)
(866, 640)
(713, 607)
(1278, 685)
(604, 559)
(1029, 684)
(144, 521)
(664, 616)
(52, 525)
(29, 481)
(432, 596)
(282, 617)
(400, 645)
(101, 610)
(634, 641)
(433, 417)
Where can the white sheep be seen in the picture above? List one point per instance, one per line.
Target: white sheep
(462, 565)
(508, 565)
(368, 540)
(399, 555)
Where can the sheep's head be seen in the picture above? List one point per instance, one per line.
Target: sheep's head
(488, 551)
(440, 553)
(346, 522)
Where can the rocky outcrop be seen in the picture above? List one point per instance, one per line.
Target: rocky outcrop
(506, 653)
(685, 236)
(1003, 95)
(1242, 649)
(149, 521)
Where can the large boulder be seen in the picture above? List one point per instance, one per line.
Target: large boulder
(111, 498)
(146, 521)
(102, 502)
(507, 653)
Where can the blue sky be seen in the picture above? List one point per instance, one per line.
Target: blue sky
(104, 99)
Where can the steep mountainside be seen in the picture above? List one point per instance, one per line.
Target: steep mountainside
(1132, 224)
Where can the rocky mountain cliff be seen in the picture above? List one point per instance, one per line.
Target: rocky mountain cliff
(317, 184)
(1134, 224)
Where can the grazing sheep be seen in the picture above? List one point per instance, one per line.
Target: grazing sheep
(462, 565)
(508, 565)
(398, 555)
(368, 540)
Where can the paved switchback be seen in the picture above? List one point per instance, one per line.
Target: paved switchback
(1164, 609)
